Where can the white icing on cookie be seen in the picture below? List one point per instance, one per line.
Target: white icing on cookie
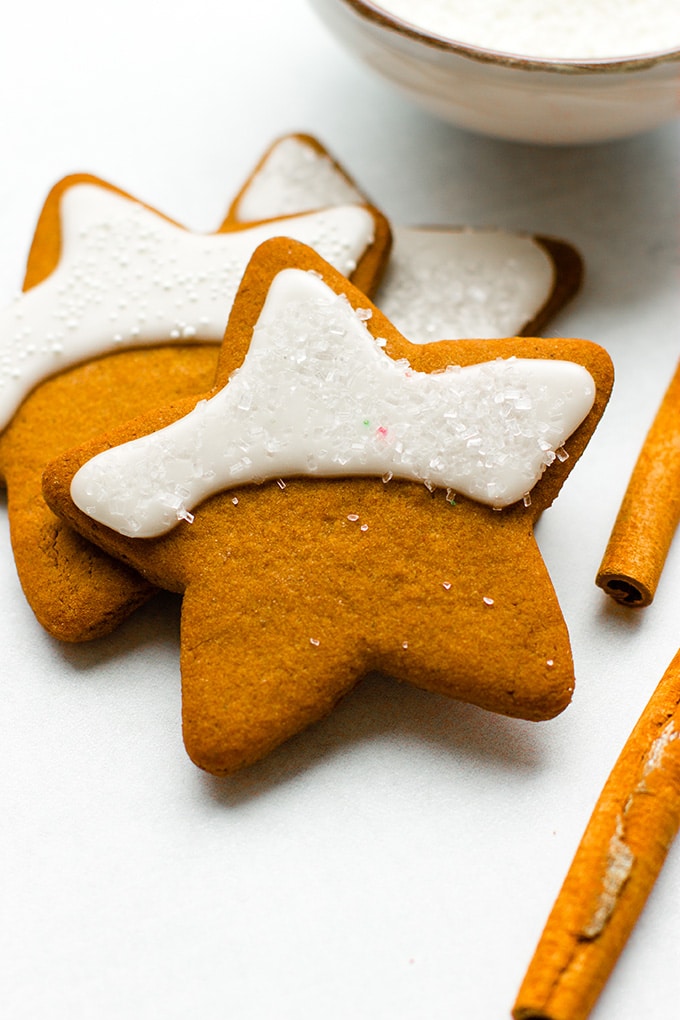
(317, 395)
(294, 177)
(127, 277)
(448, 284)
(439, 284)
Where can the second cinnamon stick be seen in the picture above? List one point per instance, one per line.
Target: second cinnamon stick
(649, 513)
(617, 862)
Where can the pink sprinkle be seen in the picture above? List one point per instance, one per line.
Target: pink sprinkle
(381, 431)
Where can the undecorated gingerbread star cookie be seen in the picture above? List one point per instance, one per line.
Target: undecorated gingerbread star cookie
(122, 310)
(343, 501)
(440, 282)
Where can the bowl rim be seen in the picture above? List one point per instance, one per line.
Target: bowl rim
(373, 12)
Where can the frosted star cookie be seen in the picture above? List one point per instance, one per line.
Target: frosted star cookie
(122, 310)
(343, 501)
(440, 282)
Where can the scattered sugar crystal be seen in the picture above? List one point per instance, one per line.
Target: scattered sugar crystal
(447, 430)
(119, 258)
(314, 641)
(294, 177)
(487, 601)
(432, 287)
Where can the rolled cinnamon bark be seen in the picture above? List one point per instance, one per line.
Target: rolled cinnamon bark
(649, 513)
(620, 855)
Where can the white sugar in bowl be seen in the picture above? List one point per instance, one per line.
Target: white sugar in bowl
(526, 70)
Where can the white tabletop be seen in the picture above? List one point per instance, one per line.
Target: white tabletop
(399, 860)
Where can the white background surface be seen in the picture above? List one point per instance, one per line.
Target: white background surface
(399, 860)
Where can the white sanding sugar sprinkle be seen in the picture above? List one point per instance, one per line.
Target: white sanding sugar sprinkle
(316, 395)
(577, 30)
(127, 277)
(293, 178)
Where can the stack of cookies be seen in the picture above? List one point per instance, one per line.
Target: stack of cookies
(331, 435)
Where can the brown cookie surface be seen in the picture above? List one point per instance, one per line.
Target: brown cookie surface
(295, 588)
(76, 591)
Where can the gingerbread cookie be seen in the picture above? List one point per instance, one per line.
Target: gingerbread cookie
(453, 282)
(122, 310)
(344, 501)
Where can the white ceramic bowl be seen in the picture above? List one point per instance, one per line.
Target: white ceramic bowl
(507, 95)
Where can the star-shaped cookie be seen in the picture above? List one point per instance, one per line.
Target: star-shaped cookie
(310, 509)
(122, 310)
(440, 282)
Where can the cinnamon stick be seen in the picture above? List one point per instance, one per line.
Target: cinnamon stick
(620, 855)
(649, 513)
